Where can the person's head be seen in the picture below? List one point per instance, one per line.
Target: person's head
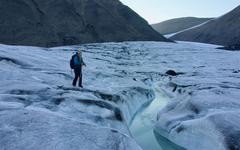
(79, 52)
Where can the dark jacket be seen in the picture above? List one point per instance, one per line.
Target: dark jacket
(78, 62)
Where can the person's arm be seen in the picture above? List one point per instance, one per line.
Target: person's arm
(83, 63)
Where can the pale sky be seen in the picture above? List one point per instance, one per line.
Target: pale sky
(155, 11)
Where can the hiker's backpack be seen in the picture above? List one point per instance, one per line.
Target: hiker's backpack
(72, 62)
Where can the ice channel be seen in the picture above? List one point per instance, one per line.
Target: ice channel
(142, 126)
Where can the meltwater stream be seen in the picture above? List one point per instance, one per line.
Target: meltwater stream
(143, 124)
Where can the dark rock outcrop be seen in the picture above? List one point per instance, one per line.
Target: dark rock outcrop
(231, 47)
(178, 24)
(171, 73)
(222, 31)
(65, 22)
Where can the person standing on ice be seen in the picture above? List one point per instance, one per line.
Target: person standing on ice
(77, 63)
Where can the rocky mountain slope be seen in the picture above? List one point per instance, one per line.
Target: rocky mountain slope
(67, 22)
(223, 30)
(178, 24)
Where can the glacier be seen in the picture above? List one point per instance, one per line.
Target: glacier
(39, 108)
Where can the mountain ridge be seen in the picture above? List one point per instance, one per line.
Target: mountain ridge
(178, 24)
(69, 22)
(223, 30)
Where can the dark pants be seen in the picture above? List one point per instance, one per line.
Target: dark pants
(78, 74)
